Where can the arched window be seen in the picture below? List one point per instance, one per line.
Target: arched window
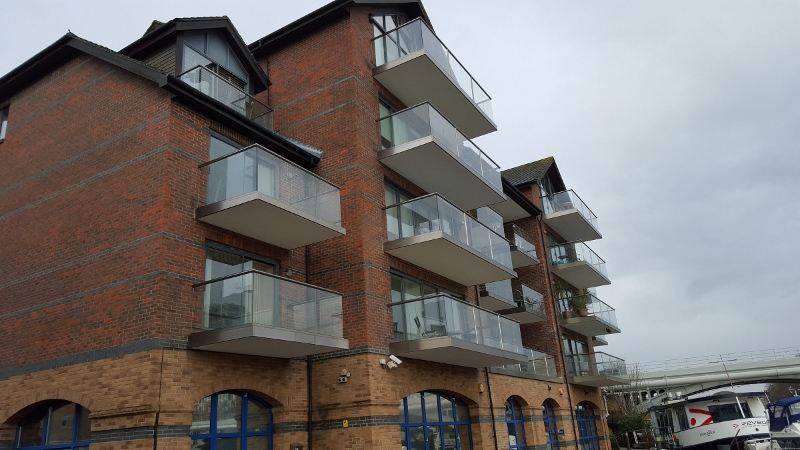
(550, 424)
(587, 427)
(515, 422)
(434, 421)
(231, 421)
(55, 425)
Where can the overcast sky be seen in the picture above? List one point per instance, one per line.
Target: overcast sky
(678, 123)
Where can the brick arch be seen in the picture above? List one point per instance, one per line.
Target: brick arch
(553, 403)
(589, 404)
(16, 409)
(469, 401)
(519, 399)
(257, 388)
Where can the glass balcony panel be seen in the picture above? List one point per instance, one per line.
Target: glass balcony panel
(442, 315)
(538, 365)
(596, 369)
(523, 242)
(264, 299)
(215, 86)
(424, 120)
(501, 290)
(259, 170)
(569, 216)
(578, 265)
(566, 200)
(416, 35)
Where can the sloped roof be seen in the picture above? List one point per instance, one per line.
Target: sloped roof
(322, 15)
(70, 46)
(158, 32)
(530, 172)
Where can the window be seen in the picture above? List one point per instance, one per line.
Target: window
(240, 173)
(231, 421)
(587, 427)
(56, 426)
(515, 422)
(407, 288)
(3, 123)
(550, 424)
(387, 126)
(730, 411)
(397, 226)
(578, 359)
(683, 420)
(230, 302)
(434, 421)
(211, 50)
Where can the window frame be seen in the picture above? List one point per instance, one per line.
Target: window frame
(4, 112)
(75, 444)
(517, 423)
(407, 426)
(213, 436)
(550, 423)
(588, 434)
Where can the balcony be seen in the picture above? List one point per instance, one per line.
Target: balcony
(566, 213)
(578, 265)
(599, 341)
(596, 369)
(529, 308)
(257, 313)
(422, 146)
(587, 315)
(539, 366)
(417, 67)
(446, 330)
(258, 194)
(497, 295)
(221, 90)
(433, 234)
(523, 251)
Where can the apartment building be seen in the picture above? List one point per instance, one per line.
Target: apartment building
(291, 244)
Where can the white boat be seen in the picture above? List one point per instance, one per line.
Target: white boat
(718, 421)
(784, 423)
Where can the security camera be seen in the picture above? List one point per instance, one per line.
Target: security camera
(396, 360)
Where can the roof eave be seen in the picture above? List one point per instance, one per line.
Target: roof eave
(519, 198)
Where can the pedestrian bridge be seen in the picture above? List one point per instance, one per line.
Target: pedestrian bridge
(652, 382)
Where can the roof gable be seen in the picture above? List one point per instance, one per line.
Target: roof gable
(323, 15)
(159, 32)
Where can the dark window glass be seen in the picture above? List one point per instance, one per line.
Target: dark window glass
(723, 413)
(211, 50)
(550, 424)
(55, 426)
(515, 422)
(3, 123)
(429, 422)
(587, 427)
(231, 421)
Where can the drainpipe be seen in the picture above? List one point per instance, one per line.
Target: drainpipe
(488, 383)
(309, 439)
(559, 336)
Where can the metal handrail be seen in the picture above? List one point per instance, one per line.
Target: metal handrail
(472, 305)
(261, 272)
(594, 300)
(576, 195)
(450, 52)
(448, 121)
(261, 147)
(435, 194)
(561, 244)
(202, 67)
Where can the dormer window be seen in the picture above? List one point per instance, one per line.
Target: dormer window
(209, 49)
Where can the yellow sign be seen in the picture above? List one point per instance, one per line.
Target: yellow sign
(345, 423)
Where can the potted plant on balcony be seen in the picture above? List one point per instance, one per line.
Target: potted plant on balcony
(580, 303)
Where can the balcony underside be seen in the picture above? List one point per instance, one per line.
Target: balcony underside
(522, 259)
(572, 226)
(493, 303)
(589, 326)
(517, 373)
(599, 380)
(523, 315)
(261, 340)
(428, 165)
(598, 341)
(268, 220)
(416, 78)
(510, 210)
(580, 274)
(439, 253)
(449, 350)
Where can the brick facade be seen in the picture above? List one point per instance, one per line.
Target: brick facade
(101, 249)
